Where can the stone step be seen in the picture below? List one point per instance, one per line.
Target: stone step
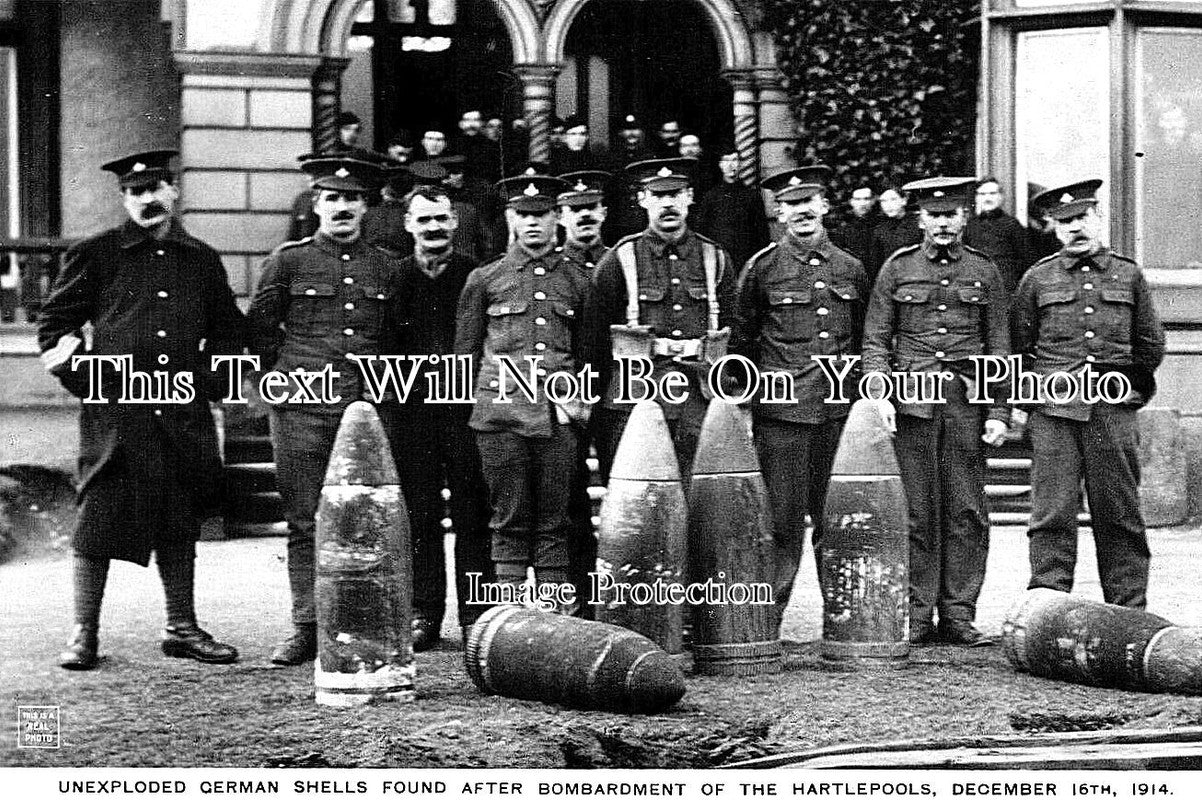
(255, 507)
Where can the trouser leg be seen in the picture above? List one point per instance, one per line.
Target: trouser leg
(964, 526)
(421, 457)
(469, 513)
(508, 465)
(783, 449)
(824, 442)
(583, 546)
(554, 469)
(177, 571)
(302, 442)
(611, 423)
(1110, 442)
(90, 574)
(1056, 466)
(917, 448)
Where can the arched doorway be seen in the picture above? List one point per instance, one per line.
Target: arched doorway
(655, 60)
(424, 63)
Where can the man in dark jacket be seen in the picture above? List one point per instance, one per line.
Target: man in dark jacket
(855, 235)
(440, 450)
(732, 213)
(153, 294)
(997, 234)
(895, 230)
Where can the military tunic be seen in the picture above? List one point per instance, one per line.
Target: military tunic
(799, 299)
(519, 306)
(145, 469)
(673, 299)
(931, 309)
(1070, 312)
(319, 301)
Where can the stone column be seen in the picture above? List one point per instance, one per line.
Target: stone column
(538, 105)
(245, 118)
(327, 93)
(747, 128)
(778, 128)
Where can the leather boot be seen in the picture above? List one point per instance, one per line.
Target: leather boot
(187, 640)
(80, 652)
(426, 634)
(298, 648)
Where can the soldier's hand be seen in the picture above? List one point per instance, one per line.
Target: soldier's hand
(995, 432)
(1018, 424)
(888, 414)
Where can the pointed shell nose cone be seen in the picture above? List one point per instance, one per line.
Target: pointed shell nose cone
(361, 454)
(866, 446)
(645, 452)
(725, 445)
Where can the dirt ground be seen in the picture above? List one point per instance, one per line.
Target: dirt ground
(141, 709)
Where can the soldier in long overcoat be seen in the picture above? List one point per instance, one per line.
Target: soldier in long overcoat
(158, 302)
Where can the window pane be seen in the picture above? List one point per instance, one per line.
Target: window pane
(10, 224)
(1168, 132)
(1062, 111)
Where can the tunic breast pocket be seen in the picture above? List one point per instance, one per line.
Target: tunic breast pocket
(843, 299)
(913, 310)
(506, 326)
(563, 329)
(1116, 310)
(377, 303)
(974, 301)
(311, 311)
(652, 308)
(793, 311)
(1058, 314)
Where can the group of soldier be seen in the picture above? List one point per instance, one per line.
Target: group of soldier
(516, 470)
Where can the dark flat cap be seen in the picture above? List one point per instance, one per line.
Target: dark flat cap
(800, 183)
(663, 174)
(531, 193)
(343, 174)
(1066, 202)
(584, 187)
(940, 195)
(142, 170)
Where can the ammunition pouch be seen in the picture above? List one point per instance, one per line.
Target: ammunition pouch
(631, 341)
(714, 346)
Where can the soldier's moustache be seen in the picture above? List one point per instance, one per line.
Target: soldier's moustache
(153, 210)
(341, 215)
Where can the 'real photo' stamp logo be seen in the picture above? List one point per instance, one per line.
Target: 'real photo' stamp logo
(38, 727)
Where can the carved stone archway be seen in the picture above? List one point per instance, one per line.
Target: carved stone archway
(748, 62)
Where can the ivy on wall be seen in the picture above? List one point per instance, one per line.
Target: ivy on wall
(884, 91)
